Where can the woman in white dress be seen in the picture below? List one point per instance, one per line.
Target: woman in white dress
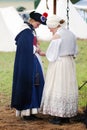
(60, 95)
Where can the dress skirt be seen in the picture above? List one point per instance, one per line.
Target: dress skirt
(37, 90)
(60, 95)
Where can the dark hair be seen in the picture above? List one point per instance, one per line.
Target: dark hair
(61, 21)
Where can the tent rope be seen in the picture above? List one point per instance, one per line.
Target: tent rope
(47, 4)
(67, 14)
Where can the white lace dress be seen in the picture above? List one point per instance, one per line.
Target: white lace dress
(60, 95)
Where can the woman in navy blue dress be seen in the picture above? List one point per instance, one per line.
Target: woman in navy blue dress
(26, 94)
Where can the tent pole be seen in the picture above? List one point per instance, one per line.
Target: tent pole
(67, 14)
(54, 6)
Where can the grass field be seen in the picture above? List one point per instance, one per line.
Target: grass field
(6, 72)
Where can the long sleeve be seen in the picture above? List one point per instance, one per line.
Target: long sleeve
(53, 50)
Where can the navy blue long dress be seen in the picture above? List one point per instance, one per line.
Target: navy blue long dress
(25, 94)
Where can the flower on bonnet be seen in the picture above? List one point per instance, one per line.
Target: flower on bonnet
(44, 17)
(45, 14)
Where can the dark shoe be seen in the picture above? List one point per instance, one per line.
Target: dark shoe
(56, 120)
(35, 117)
(65, 120)
(27, 118)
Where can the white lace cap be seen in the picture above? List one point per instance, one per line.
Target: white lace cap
(53, 21)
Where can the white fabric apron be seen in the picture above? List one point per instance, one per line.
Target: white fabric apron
(60, 96)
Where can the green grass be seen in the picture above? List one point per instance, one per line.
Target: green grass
(6, 72)
(81, 69)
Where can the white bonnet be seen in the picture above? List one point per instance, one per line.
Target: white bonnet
(53, 21)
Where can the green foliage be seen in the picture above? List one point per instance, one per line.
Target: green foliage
(36, 2)
(74, 1)
(20, 9)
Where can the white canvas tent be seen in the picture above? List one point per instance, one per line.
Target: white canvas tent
(43, 32)
(76, 23)
(82, 4)
(81, 7)
(10, 22)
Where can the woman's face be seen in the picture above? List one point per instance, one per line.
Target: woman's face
(53, 30)
(36, 24)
